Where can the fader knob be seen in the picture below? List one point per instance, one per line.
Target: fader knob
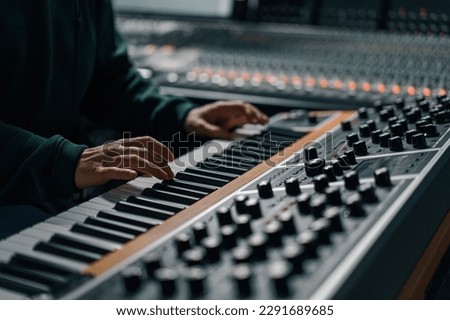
(311, 153)
(132, 278)
(395, 144)
(265, 189)
(400, 103)
(384, 115)
(346, 125)
(397, 130)
(419, 141)
(378, 105)
(382, 177)
(292, 187)
(424, 106)
(372, 125)
(351, 180)
(362, 112)
(360, 148)
(420, 125)
(431, 131)
(314, 167)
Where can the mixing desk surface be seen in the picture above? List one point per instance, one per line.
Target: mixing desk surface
(319, 205)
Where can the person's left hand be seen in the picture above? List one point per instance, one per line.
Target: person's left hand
(218, 119)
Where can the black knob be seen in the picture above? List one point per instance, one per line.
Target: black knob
(351, 156)
(431, 130)
(420, 125)
(384, 140)
(384, 115)
(253, 208)
(196, 278)
(303, 203)
(333, 196)
(395, 144)
(242, 254)
(352, 138)
(228, 236)
(367, 192)
(346, 125)
(310, 153)
(400, 103)
(382, 177)
(314, 167)
(239, 201)
(337, 168)
(132, 278)
(378, 105)
(312, 119)
(362, 113)
(404, 124)
(445, 102)
(372, 125)
(279, 272)
(265, 189)
(194, 256)
(391, 121)
(151, 263)
(183, 243)
(309, 240)
(224, 216)
(287, 221)
(200, 232)
(375, 136)
(243, 225)
(419, 141)
(242, 275)
(329, 172)
(397, 130)
(320, 183)
(364, 130)
(360, 148)
(441, 97)
(409, 134)
(295, 254)
(428, 119)
(167, 279)
(424, 106)
(258, 242)
(318, 204)
(351, 180)
(333, 214)
(274, 233)
(419, 98)
(442, 117)
(322, 227)
(354, 205)
(413, 116)
(292, 187)
(212, 248)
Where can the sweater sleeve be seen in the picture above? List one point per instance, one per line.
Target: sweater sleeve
(34, 169)
(117, 90)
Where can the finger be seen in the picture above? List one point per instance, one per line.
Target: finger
(142, 165)
(252, 114)
(150, 144)
(114, 173)
(208, 129)
(262, 117)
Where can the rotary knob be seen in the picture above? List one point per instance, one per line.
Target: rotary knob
(351, 180)
(303, 203)
(375, 136)
(314, 167)
(279, 273)
(253, 208)
(311, 153)
(367, 192)
(194, 257)
(318, 204)
(384, 140)
(258, 242)
(352, 138)
(132, 278)
(320, 183)
(395, 144)
(183, 243)
(274, 232)
(292, 187)
(287, 220)
(322, 227)
(329, 172)
(419, 141)
(337, 168)
(265, 189)
(200, 232)
(364, 130)
(382, 177)
(308, 239)
(431, 131)
(333, 196)
(360, 148)
(167, 279)
(351, 156)
(242, 275)
(243, 225)
(241, 254)
(362, 113)
(397, 130)
(409, 134)
(354, 205)
(212, 248)
(228, 236)
(196, 278)
(372, 125)
(346, 125)
(295, 254)
(333, 214)
(151, 263)
(239, 201)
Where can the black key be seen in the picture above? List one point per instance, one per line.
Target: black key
(169, 196)
(223, 168)
(233, 163)
(255, 152)
(142, 210)
(68, 252)
(266, 145)
(102, 233)
(239, 160)
(148, 202)
(193, 186)
(77, 243)
(247, 155)
(186, 176)
(212, 173)
(126, 218)
(183, 191)
(52, 280)
(25, 286)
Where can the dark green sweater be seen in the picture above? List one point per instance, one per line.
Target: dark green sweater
(61, 60)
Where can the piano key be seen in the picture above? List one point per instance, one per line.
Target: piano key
(233, 163)
(83, 210)
(246, 155)
(186, 176)
(259, 153)
(21, 285)
(144, 211)
(192, 185)
(6, 294)
(239, 161)
(169, 196)
(183, 191)
(145, 201)
(211, 173)
(54, 281)
(102, 233)
(224, 168)
(130, 219)
(260, 144)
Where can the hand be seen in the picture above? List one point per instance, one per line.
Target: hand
(123, 160)
(218, 119)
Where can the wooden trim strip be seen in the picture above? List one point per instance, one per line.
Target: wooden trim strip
(144, 240)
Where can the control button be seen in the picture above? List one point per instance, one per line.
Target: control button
(322, 227)
(397, 130)
(258, 242)
(367, 192)
(279, 273)
(419, 141)
(320, 183)
(241, 254)
(274, 233)
(151, 263)
(346, 125)
(351, 156)
(420, 125)
(243, 225)
(224, 216)
(351, 180)
(333, 196)
(310, 153)
(196, 278)
(404, 124)
(167, 278)
(354, 205)
(428, 119)
(424, 105)
(333, 214)
(242, 275)
(337, 168)
(344, 163)
(352, 138)
(265, 189)
(194, 256)
(212, 248)
(292, 187)
(364, 130)
(200, 232)
(329, 172)
(409, 134)
(295, 254)
(239, 201)
(314, 167)
(413, 116)
(228, 236)
(419, 98)
(395, 144)
(308, 239)
(360, 148)
(287, 220)
(362, 113)
(372, 125)
(431, 130)
(183, 243)
(378, 105)
(442, 117)
(392, 121)
(375, 136)
(132, 278)
(382, 177)
(384, 140)
(253, 208)
(318, 204)
(399, 103)
(384, 115)
(303, 203)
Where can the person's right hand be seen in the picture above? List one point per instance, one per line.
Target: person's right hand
(124, 160)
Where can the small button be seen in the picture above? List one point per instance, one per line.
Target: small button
(400, 103)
